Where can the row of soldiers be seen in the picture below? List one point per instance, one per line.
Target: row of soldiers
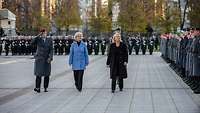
(142, 43)
(21, 45)
(17, 46)
(183, 52)
(62, 45)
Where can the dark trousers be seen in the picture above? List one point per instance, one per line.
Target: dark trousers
(120, 83)
(38, 81)
(78, 78)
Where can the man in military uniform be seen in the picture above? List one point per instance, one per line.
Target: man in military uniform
(7, 46)
(130, 45)
(1, 46)
(143, 45)
(103, 46)
(56, 46)
(90, 46)
(33, 47)
(13, 47)
(196, 63)
(20, 50)
(156, 42)
(151, 45)
(67, 49)
(27, 45)
(60, 45)
(96, 46)
(137, 46)
(23, 46)
(70, 40)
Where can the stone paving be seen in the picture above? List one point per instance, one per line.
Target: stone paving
(151, 87)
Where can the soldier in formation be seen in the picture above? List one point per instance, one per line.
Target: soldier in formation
(20, 45)
(141, 43)
(1, 46)
(96, 46)
(130, 45)
(151, 45)
(183, 53)
(90, 46)
(103, 46)
(137, 46)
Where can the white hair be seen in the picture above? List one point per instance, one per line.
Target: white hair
(76, 34)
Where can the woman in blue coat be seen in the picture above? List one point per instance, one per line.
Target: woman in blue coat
(78, 59)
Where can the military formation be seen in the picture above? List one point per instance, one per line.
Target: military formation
(16, 46)
(21, 45)
(138, 43)
(182, 51)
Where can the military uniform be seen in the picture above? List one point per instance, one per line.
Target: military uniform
(90, 47)
(7, 47)
(1, 46)
(137, 46)
(60, 48)
(130, 45)
(56, 46)
(96, 46)
(184, 56)
(103, 46)
(144, 46)
(151, 46)
(67, 47)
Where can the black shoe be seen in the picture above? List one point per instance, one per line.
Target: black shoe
(79, 90)
(113, 91)
(37, 90)
(120, 89)
(45, 90)
(197, 91)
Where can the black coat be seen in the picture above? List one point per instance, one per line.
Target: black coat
(43, 53)
(119, 69)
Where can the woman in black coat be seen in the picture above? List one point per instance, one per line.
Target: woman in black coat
(117, 61)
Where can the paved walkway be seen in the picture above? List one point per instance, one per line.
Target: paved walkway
(151, 87)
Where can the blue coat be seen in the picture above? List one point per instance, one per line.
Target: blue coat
(78, 56)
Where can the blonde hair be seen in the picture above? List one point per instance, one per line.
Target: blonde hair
(115, 35)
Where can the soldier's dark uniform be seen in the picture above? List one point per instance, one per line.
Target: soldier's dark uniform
(90, 47)
(56, 46)
(151, 45)
(20, 51)
(70, 40)
(7, 46)
(96, 47)
(103, 46)
(13, 47)
(23, 47)
(67, 47)
(137, 46)
(33, 48)
(130, 45)
(59, 46)
(1, 46)
(143, 46)
(27, 45)
(156, 42)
